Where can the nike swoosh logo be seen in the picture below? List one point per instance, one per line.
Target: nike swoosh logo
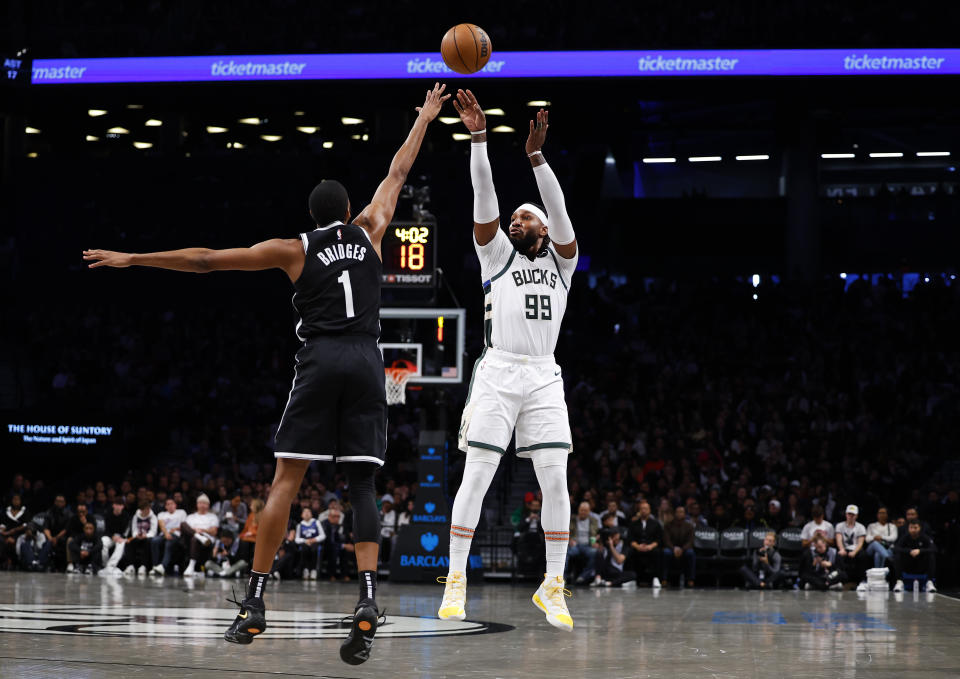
(243, 615)
(556, 373)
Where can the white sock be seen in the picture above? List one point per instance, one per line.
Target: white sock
(477, 474)
(193, 562)
(550, 466)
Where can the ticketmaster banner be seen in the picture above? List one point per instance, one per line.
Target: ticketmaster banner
(502, 65)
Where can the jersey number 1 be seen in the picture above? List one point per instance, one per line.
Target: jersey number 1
(344, 280)
(538, 307)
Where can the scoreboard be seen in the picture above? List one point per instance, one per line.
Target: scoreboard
(409, 254)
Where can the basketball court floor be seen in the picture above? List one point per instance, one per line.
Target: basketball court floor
(81, 626)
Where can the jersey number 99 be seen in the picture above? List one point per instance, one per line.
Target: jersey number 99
(538, 307)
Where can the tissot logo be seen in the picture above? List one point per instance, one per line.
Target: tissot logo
(209, 623)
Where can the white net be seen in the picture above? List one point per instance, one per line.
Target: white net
(396, 382)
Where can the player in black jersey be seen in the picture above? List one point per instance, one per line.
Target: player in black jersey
(337, 406)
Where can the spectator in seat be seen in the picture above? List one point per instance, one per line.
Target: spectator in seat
(817, 525)
(86, 553)
(55, 530)
(719, 518)
(851, 556)
(248, 537)
(818, 566)
(167, 540)
(696, 517)
(915, 554)
(610, 558)
(646, 545)
(199, 531)
(335, 552)
(583, 534)
(678, 547)
(12, 525)
(912, 514)
(75, 532)
(881, 537)
(285, 562)
(33, 549)
(309, 536)
(143, 528)
(774, 518)
(764, 570)
(388, 526)
(225, 562)
(613, 508)
(113, 541)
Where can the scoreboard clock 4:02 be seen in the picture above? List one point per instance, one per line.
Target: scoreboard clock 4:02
(409, 255)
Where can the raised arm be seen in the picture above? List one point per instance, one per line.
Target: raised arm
(377, 215)
(278, 253)
(561, 229)
(486, 211)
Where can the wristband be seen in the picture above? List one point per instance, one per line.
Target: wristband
(483, 131)
(531, 155)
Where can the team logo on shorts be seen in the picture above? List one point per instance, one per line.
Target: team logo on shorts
(210, 623)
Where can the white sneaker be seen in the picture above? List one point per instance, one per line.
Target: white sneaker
(189, 572)
(898, 587)
(630, 584)
(597, 581)
(862, 587)
(930, 586)
(130, 570)
(837, 587)
(550, 598)
(313, 574)
(656, 583)
(70, 568)
(453, 606)
(808, 586)
(142, 571)
(157, 570)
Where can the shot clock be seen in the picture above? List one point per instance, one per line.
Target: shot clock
(409, 254)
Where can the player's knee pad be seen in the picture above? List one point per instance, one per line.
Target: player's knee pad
(550, 457)
(482, 455)
(363, 498)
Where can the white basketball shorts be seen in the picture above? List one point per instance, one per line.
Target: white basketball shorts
(515, 392)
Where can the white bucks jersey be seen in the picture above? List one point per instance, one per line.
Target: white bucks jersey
(524, 299)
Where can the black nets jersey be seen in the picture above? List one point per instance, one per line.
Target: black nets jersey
(338, 292)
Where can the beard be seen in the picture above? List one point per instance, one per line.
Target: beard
(524, 244)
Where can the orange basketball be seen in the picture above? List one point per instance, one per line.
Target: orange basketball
(466, 48)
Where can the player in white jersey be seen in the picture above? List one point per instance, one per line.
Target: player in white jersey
(516, 384)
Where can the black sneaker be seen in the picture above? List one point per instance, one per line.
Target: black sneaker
(250, 621)
(355, 649)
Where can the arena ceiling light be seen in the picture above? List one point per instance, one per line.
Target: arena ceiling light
(460, 136)
(307, 129)
(538, 102)
(328, 144)
(347, 120)
(298, 113)
(134, 105)
(928, 154)
(153, 122)
(886, 154)
(96, 112)
(705, 159)
(31, 130)
(271, 137)
(830, 156)
(215, 129)
(651, 161)
(249, 121)
(503, 128)
(761, 156)
(235, 145)
(143, 144)
(32, 154)
(90, 137)
(448, 120)
(494, 112)
(118, 130)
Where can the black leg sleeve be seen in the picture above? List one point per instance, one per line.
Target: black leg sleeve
(363, 497)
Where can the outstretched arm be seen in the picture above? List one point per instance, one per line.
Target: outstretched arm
(561, 228)
(486, 211)
(278, 253)
(377, 215)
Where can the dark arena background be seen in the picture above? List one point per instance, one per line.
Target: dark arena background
(762, 330)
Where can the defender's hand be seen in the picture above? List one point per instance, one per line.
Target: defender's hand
(119, 260)
(470, 112)
(538, 131)
(433, 102)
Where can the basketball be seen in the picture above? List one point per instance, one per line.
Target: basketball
(466, 48)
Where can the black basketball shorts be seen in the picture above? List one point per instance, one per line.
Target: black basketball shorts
(337, 409)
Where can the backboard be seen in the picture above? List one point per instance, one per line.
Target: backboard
(430, 339)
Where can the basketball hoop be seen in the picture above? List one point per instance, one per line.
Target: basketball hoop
(397, 376)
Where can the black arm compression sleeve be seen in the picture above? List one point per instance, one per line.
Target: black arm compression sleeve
(363, 498)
